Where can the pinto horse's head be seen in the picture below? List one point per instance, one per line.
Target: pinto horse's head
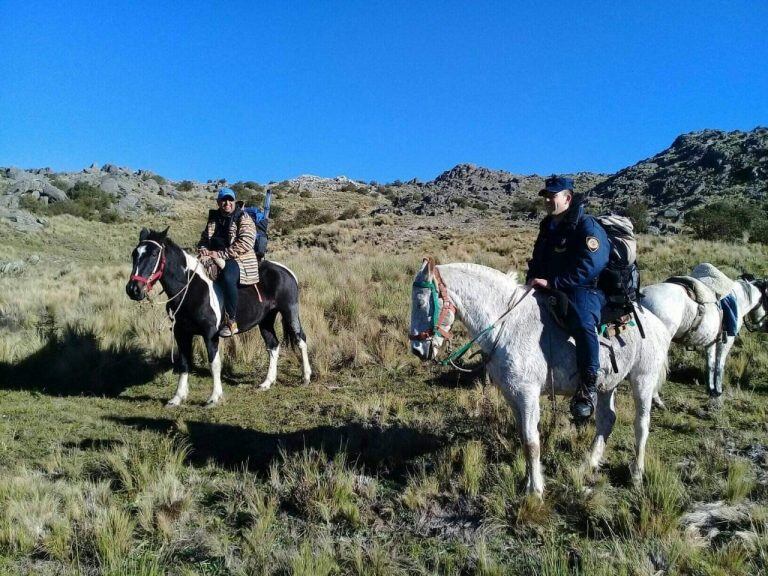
(148, 263)
(432, 312)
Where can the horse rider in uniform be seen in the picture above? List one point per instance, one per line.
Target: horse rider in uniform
(228, 240)
(571, 251)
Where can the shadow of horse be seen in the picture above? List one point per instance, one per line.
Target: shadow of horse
(73, 363)
(384, 450)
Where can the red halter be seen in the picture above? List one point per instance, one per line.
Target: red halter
(157, 271)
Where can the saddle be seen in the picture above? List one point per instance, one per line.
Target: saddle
(212, 270)
(613, 321)
(697, 290)
(703, 295)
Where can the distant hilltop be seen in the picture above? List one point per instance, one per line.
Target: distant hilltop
(697, 169)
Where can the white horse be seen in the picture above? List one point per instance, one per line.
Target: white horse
(701, 329)
(530, 355)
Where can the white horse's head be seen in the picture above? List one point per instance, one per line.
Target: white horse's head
(757, 318)
(432, 312)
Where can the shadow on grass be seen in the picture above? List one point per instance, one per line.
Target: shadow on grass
(72, 363)
(385, 450)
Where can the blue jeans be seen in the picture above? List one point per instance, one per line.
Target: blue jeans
(582, 322)
(229, 278)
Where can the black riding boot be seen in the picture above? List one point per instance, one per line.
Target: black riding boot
(584, 401)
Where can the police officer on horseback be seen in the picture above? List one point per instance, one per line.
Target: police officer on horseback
(571, 251)
(227, 240)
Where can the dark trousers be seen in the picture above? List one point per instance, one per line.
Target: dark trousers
(229, 278)
(582, 321)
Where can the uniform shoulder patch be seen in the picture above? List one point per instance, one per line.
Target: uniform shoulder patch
(593, 243)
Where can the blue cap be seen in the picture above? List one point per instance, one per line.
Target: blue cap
(555, 184)
(225, 193)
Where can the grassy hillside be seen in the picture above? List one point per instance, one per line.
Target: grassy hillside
(383, 465)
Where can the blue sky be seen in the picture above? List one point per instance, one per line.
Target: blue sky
(372, 90)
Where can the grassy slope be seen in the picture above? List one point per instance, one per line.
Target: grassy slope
(97, 477)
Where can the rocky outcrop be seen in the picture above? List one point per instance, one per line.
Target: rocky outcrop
(474, 187)
(134, 192)
(698, 168)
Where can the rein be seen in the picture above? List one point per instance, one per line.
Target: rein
(465, 348)
(157, 273)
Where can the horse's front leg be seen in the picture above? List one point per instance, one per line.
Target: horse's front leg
(605, 417)
(214, 357)
(528, 413)
(723, 348)
(267, 329)
(711, 355)
(182, 366)
(643, 397)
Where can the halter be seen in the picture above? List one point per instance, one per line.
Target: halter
(762, 286)
(157, 270)
(439, 294)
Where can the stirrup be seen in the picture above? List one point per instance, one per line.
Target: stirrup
(229, 329)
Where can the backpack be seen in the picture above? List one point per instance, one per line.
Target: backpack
(260, 217)
(620, 281)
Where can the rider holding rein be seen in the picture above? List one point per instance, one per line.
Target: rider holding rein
(571, 251)
(228, 240)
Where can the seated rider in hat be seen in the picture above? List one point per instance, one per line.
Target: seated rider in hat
(570, 253)
(228, 239)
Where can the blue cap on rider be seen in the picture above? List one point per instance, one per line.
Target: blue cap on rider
(555, 184)
(225, 193)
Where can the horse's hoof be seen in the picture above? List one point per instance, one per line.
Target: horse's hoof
(637, 477)
(305, 381)
(266, 385)
(715, 402)
(658, 403)
(173, 403)
(212, 402)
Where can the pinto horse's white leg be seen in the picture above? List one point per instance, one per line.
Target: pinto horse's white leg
(182, 389)
(643, 396)
(605, 417)
(218, 391)
(306, 369)
(183, 364)
(274, 353)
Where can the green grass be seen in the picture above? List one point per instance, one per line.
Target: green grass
(382, 465)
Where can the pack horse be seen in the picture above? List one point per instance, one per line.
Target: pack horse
(197, 310)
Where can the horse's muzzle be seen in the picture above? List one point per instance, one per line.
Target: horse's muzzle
(135, 290)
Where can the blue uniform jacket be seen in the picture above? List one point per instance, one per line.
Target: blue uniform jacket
(571, 254)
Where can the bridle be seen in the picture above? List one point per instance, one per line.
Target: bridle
(443, 314)
(762, 286)
(157, 270)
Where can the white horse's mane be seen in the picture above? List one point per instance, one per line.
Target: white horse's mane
(509, 278)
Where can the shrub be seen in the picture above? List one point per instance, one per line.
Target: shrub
(526, 206)
(185, 185)
(60, 184)
(85, 201)
(305, 194)
(159, 179)
(719, 221)
(350, 213)
(637, 212)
